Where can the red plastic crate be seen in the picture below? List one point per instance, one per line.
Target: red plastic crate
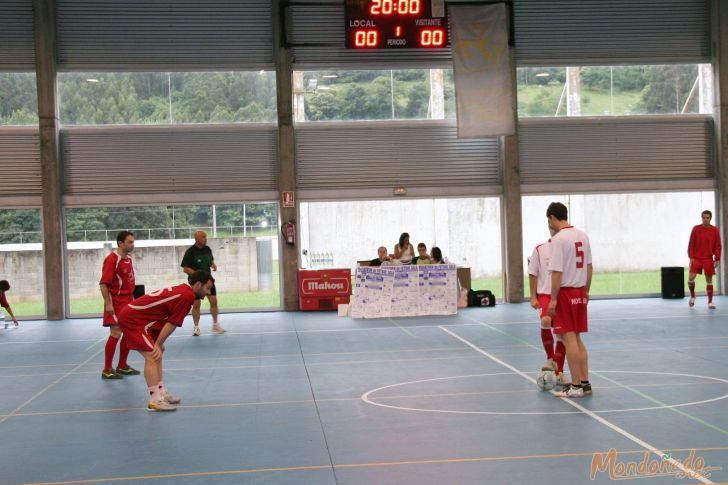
(323, 289)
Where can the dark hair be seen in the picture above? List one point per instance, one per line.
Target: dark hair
(401, 239)
(121, 237)
(558, 210)
(707, 212)
(436, 253)
(4, 285)
(200, 277)
(421, 245)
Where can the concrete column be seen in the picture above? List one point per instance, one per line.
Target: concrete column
(52, 214)
(511, 217)
(573, 91)
(719, 16)
(437, 94)
(286, 155)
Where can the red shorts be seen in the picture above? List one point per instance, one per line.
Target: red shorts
(698, 265)
(570, 311)
(543, 304)
(141, 338)
(119, 302)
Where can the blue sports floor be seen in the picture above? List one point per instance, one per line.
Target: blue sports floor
(312, 398)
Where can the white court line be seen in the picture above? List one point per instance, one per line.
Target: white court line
(41, 392)
(589, 413)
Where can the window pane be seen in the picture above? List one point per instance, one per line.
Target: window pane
(21, 260)
(166, 98)
(374, 95)
(615, 90)
(18, 99)
(632, 235)
(243, 239)
(467, 231)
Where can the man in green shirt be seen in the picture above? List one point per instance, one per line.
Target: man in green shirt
(199, 258)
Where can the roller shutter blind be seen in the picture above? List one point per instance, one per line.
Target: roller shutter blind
(616, 150)
(20, 170)
(164, 34)
(17, 44)
(316, 35)
(159, 160)
(598, 32)
(386, 155)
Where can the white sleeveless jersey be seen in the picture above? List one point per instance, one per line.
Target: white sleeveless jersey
(570, 254)
(538, 266)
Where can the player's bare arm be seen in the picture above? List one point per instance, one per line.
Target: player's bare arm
(532, 283)
(108, 306)
(556, 277)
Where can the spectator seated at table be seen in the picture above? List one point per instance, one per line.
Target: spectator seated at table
(436, 256)
(403, 250)
(422, 256)
(382, 258)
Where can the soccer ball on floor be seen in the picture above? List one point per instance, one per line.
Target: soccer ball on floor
(546, 380)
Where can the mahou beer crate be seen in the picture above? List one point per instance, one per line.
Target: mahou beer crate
(323, 289)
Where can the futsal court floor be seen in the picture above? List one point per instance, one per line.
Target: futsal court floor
(312, 398)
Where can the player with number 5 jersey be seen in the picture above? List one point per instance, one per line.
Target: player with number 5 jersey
(571, 273)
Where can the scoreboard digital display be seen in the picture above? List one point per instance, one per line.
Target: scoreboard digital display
(395, 24)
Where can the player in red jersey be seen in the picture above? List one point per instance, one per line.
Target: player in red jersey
(149, 320)
(704, 252)
(117, 288)
(539, 282)
(4, 287)
(571, 274)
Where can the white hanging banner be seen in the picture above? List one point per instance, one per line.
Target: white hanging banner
(481, 62)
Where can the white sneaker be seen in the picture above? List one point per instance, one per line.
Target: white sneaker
(217, 328)
(571, 391)
(550, 365)
(160, 405)
(171, 398)
(561, 382)
(196, 331)
(691, 302)
(711, 305)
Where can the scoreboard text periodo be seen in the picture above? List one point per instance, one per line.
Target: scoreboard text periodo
(386, 24)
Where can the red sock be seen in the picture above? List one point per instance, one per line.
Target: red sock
(548, 342)
(691, 287)
(709, 289)
(123, 353)
(560, 357)
(110, 349)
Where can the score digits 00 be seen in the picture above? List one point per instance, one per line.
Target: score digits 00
(385, 24)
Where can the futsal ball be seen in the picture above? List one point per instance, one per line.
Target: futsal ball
(546, 380)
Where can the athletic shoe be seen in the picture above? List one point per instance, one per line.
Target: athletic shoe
(6, 326)
(561, 382)
(110, 374)
(691, 302)
(587, 389)
(550, 365)
(196, 331)
(571, 391)
(217, 328)
(127, 371)
(160, 405)
(711, 305)
(171, 398)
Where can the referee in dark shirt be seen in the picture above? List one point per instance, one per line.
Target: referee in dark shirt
(199, 258)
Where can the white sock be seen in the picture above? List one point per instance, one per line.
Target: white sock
(161, 388)
(154, 394)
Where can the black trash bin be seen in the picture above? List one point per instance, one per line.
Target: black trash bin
(673, 282)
